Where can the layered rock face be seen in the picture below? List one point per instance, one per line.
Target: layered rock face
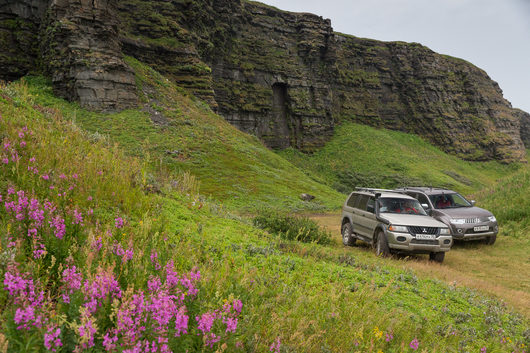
(82, 54)
(75, 42)
(285, 77)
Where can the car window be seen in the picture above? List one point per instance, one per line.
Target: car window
(370, 205)
(362, 201)
(423, 200)
(453, 200)
(400, 205)
(351, 200)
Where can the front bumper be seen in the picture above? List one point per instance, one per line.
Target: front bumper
(468, 232)
(407, 242)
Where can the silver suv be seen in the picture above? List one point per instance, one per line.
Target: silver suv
(464, 219)
(393, 222)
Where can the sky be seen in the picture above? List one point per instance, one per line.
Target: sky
(491, 34)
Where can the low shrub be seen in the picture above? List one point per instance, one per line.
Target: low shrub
(292, 227)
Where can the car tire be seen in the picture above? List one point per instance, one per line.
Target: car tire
(347, 235)
(491, 239)
(437, 256)
(381, 245)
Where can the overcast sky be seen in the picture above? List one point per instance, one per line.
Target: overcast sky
(492, 34)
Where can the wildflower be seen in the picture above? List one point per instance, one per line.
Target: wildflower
(60, 228)
(211, 339)
(414, 344)
(109, 342)
(45, 176)
(154, 260)
(89, 198)
(205, 322)
(5, 160)
(78, 217)
(118, 222)
(62, 176)
(97, 244)
(378, 333)
(275, 346)
(52, 340)
(483, 350)
(231, 324)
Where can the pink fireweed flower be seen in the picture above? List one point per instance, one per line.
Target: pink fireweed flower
(238, 305)
(211, 339)
(205, 322)
(87, 333)
(52, 340)
(483, 350)
(75, 176)
(21, 134)
(414, 344)
(389, 337)
(22, 143)
(5, 160)
(32, 160)
(118, 222)
(109, 342)
(89, 198)
(72, 278)
(45, 177)
(154, 283)
(78, 217)
(10, 190)
(275, 346)
(39, 250)
(128, 255)
(154, 260)
(181, 321)
(97, 244)
(62, 176)
(231, 324)
(60, 228)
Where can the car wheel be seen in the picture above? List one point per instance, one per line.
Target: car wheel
(491, 239)
(437, 256)
(347, 235)
(381, 245)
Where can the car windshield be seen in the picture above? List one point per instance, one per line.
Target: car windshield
(453, 200)
(400, 205)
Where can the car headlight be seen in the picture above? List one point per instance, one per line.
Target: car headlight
(492, 219)
(458, 220)
(444, 231)
(401, 229)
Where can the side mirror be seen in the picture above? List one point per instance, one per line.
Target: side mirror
(473, 202)
(425, 206)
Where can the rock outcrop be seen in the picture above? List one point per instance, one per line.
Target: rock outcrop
(285, 77)
(75, 42)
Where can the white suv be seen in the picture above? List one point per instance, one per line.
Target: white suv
(393, 222)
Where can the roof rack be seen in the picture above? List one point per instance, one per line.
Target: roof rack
(372, 189)
(420, 188)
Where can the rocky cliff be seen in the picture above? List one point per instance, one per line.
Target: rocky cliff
(285, 77)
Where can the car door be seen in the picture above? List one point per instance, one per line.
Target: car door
(357, 215)
(369, 218)
(366, 216)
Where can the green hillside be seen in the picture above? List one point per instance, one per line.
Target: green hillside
(176, 132)
(112, 253)
(359, 155)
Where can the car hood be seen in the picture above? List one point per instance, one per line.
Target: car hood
(465, 212)
(411, 220)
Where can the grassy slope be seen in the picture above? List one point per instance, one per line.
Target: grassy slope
(360, 155)
(231, 166)
(310, 296)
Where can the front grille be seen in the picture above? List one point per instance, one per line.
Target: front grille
(424, 241)
(423, 230)
(472, 220)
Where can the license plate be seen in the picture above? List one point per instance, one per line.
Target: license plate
(425, 236)
(481, 228)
